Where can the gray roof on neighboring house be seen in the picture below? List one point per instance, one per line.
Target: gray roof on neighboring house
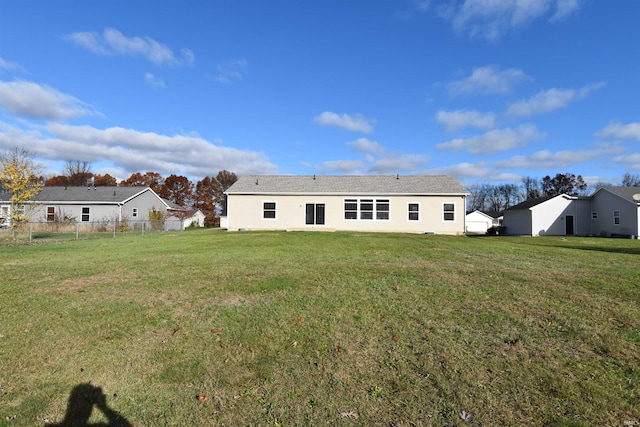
(624, 192)
(493, 214)
(348, 184)
(529, 203)
(93, 195)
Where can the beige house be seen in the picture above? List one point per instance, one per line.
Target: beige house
(411, 204)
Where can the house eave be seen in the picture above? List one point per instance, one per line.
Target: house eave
(340, 193)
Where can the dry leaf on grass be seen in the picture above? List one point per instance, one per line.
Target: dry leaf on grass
(351, 415)
(201, 398)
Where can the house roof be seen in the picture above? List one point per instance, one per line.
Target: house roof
(493, 214)
(94, 195)
(488, 214)
(478, 212)
(349, 184)
(624, 192)
(529, 203)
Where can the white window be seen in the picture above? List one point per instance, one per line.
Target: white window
(382, 209)
(448, 211)
(413, 211)
(616, 217)
(86, 214)
(367, 209)
(134, 213)
(269, 210)
(51, 213)
(594, 215)
(351, 209)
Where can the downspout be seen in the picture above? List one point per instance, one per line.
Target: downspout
(464, 214)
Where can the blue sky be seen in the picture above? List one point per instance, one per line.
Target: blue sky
(483, 90)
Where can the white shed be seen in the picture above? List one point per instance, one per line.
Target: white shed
(479, 222)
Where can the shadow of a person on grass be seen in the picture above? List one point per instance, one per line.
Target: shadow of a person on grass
(82, 399)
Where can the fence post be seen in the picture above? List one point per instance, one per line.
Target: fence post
(30, 231)
(77, 230)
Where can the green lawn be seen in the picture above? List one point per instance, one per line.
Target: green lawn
(321, 329)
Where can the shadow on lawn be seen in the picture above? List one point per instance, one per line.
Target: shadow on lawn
(82, 399)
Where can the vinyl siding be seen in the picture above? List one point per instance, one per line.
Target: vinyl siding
(245, 212)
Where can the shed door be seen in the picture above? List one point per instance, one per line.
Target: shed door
(568, 219)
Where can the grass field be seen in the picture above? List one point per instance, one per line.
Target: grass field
(339, 329)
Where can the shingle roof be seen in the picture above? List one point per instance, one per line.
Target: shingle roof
(349, 184)
(84, 194)
(527, 204)
(625, 192)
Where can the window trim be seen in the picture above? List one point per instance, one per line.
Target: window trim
(88, 214)
(50, 215)
(382, 202)
(359, 213)
(351, 211)
(594, 215)
(265, 210)
(134, 212)
(444, 212)
(616, 218)
(409, 211)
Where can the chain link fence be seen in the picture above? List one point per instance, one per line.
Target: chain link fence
(35, 232)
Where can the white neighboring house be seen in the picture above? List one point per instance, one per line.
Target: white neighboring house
(480, 221)
(609, 212)
(187, 217)
(90, 204)
(195, 220)
(413, 204)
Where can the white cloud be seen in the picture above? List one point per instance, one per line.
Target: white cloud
(619, 131)
(344, 166)
(495, 140)
(564, 9)
(6, 65)
(632, 161)
(546, 159)
(153, 81)
(355, 123)
(493, 19)
(375, 159)
(113, 42)
(131, 151)
(465, 170)
(488, 80)
(550, 100)
(397, 164)
(458, 119)
(230, 70)
(421, 5)
(31, 100)
(364, 145)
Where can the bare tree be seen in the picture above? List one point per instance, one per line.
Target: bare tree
(477, 197)
(630, 180)
(78, 172)
(531, 187)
